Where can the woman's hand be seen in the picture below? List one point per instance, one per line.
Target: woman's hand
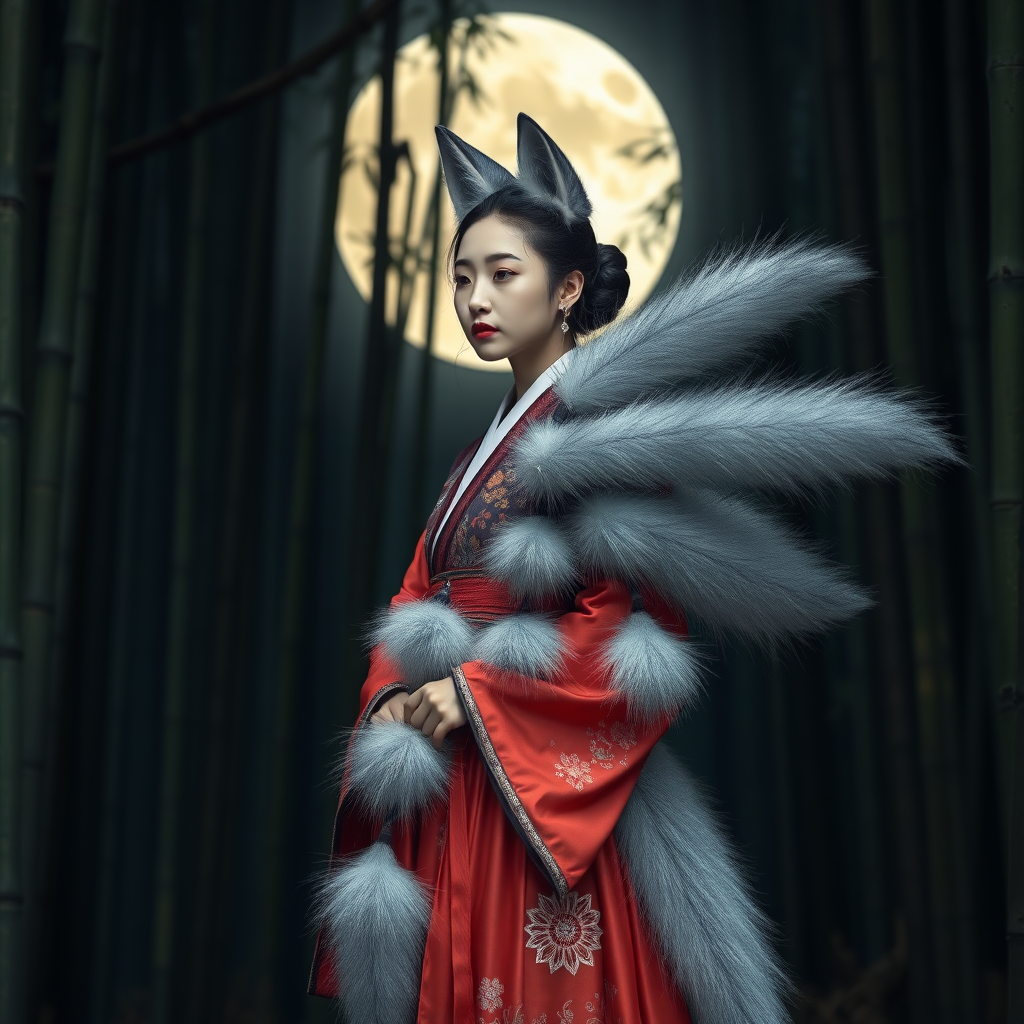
(391, 709)
(435, 709)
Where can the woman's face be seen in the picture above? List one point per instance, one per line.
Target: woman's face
(500, 283)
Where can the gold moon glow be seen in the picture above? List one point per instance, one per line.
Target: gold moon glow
(591, 101)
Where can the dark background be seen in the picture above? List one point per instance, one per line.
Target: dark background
(223, 537)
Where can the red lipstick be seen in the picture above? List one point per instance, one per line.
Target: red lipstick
(482, 330)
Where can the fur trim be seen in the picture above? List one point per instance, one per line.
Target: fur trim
(394, 770)
(689, 888)
(656, 671)
(532, 556)
(711, 319)
(718, 559)
(375, 915)
(527, 644)
(424, 639)
(770, 435)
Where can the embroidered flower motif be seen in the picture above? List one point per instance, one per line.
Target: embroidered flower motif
(565, 1015)
(624, 735)
(600, 747)
(573, 770)
(565, 932)
(600, 1003)
(489, 993)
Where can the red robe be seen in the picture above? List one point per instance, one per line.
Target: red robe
(534, 919)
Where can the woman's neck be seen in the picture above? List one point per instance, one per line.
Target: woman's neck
(528, 366)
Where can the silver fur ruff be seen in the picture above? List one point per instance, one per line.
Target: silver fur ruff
(524, 645)
(656, 672)
(532, 555)
(395, 771)
(424, 639)
(375, 916)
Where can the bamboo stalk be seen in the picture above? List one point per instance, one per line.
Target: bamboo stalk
(432, 229)
(14, 58)
(299, 524)
(85, 324)
(374, 425)
(119, 377)
(1006, 313)
(47, 437)
(85, 320)
(36, 210)
(226, 711)
(967, 322)
(1015, 882)
(168, 899)
(941, 756)
(1006, 306)
(890, 671)
(126, 523)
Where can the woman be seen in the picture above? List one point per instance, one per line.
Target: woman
(512, 844)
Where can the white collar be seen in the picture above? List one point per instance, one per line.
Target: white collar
(499, 428)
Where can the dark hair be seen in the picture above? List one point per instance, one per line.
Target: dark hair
(563, 248)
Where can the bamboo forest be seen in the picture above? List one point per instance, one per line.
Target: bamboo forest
(232, 384)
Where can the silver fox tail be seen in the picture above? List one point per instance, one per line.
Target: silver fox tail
(690, 890)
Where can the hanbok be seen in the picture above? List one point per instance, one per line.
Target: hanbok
(533, 919)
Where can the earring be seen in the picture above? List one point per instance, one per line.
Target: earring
(565, 316)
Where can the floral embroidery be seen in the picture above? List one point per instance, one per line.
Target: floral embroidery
(483, 506)
(565, 932)
(489, 996)
(493, 492)
(600, 1004)
(508, 1016)
(493, 1000)
(489, 993)
(573, 770)
(624, 736)
(601, 746)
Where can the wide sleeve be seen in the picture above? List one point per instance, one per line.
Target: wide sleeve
(563, 754)
(383, 679)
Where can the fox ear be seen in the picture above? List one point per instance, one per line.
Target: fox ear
(470, 175)
(545, 170)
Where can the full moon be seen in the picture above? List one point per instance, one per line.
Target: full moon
(585, 95)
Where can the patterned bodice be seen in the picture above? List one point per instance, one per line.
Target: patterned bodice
(490, 500)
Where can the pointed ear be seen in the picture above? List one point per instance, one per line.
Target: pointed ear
(470, 175)
(545, 170)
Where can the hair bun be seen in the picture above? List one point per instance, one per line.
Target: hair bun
(610, 258)
(605, 292)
